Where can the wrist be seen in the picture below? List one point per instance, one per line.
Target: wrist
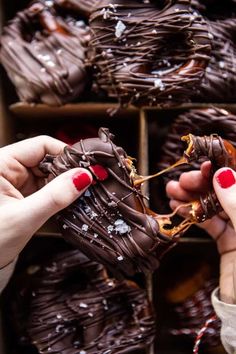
(228, 278)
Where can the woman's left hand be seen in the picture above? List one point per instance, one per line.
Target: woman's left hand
(220, 227)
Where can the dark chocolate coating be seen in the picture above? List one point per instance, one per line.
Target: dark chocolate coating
(110, 222)
(192, 314)
(197, 122)
(43, 54)
(133, 54)
(219, 81)
(73, 307)
(215, 9)
(85, 7)
(212, 148)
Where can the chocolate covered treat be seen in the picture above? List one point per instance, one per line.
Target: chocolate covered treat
(85, 7)
(133, 55)
(43, 52)
(215, 9)
(198, 122)
(110, 222)
(190, 301)
(73, 307)
(219, 81)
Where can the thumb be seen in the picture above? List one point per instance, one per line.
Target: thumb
(224, 182)
(55, 196)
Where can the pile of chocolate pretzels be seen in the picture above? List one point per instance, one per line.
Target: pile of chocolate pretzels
(145, 53)
(68, 304)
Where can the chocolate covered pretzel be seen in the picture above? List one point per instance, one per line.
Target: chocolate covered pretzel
(147, 53)
(110, 222)
(43, 51)
(198, 122)
(70, 305)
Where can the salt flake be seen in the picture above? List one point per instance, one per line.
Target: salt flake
(158, 83)
(121, 227)
(120, 27)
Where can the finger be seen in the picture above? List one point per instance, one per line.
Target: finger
(224, 182)
(55, 196)
(31, 151)
(220, 230)
(194, 182)
(183, 211)
(175, 191)
(206, 169)
(8, 190)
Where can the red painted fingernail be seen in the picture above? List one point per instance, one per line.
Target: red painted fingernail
(226, 179)
(100, 172)
(81, 180)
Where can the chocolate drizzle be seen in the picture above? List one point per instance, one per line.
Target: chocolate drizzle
(192, 314)
(110, 222)
(74, 307)
(131, 48)
(220, 150)
(198, 122)
(219, 81)
(84, 7)
(215, 9)
(43, 54)
(212, 147)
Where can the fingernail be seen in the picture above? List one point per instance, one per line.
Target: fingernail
(100, 172)
(81, 180)
(226, 179)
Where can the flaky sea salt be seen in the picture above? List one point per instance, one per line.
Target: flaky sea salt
(159, 84)
(110, 228)
(83, 305)
(120, 27)
(87, 193)
(49, 3)
(221, 64)
(121, 227)
(120, 258)
(85, 227)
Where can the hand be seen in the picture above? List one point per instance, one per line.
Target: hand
(24, 205)
(221, 227)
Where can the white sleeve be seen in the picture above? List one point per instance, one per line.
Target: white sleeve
(227, 314)
(5, 274)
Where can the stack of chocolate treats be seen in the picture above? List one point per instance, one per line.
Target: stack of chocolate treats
(55, 51)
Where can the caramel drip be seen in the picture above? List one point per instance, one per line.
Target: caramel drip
(143, 179)
(110, 222)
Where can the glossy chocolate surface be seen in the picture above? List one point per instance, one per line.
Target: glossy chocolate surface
(73, 307)
(110, 222)
(85, 7)
(147, 54)
(197, 122)
(43, 53)
(219, 81)
(192, 314)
